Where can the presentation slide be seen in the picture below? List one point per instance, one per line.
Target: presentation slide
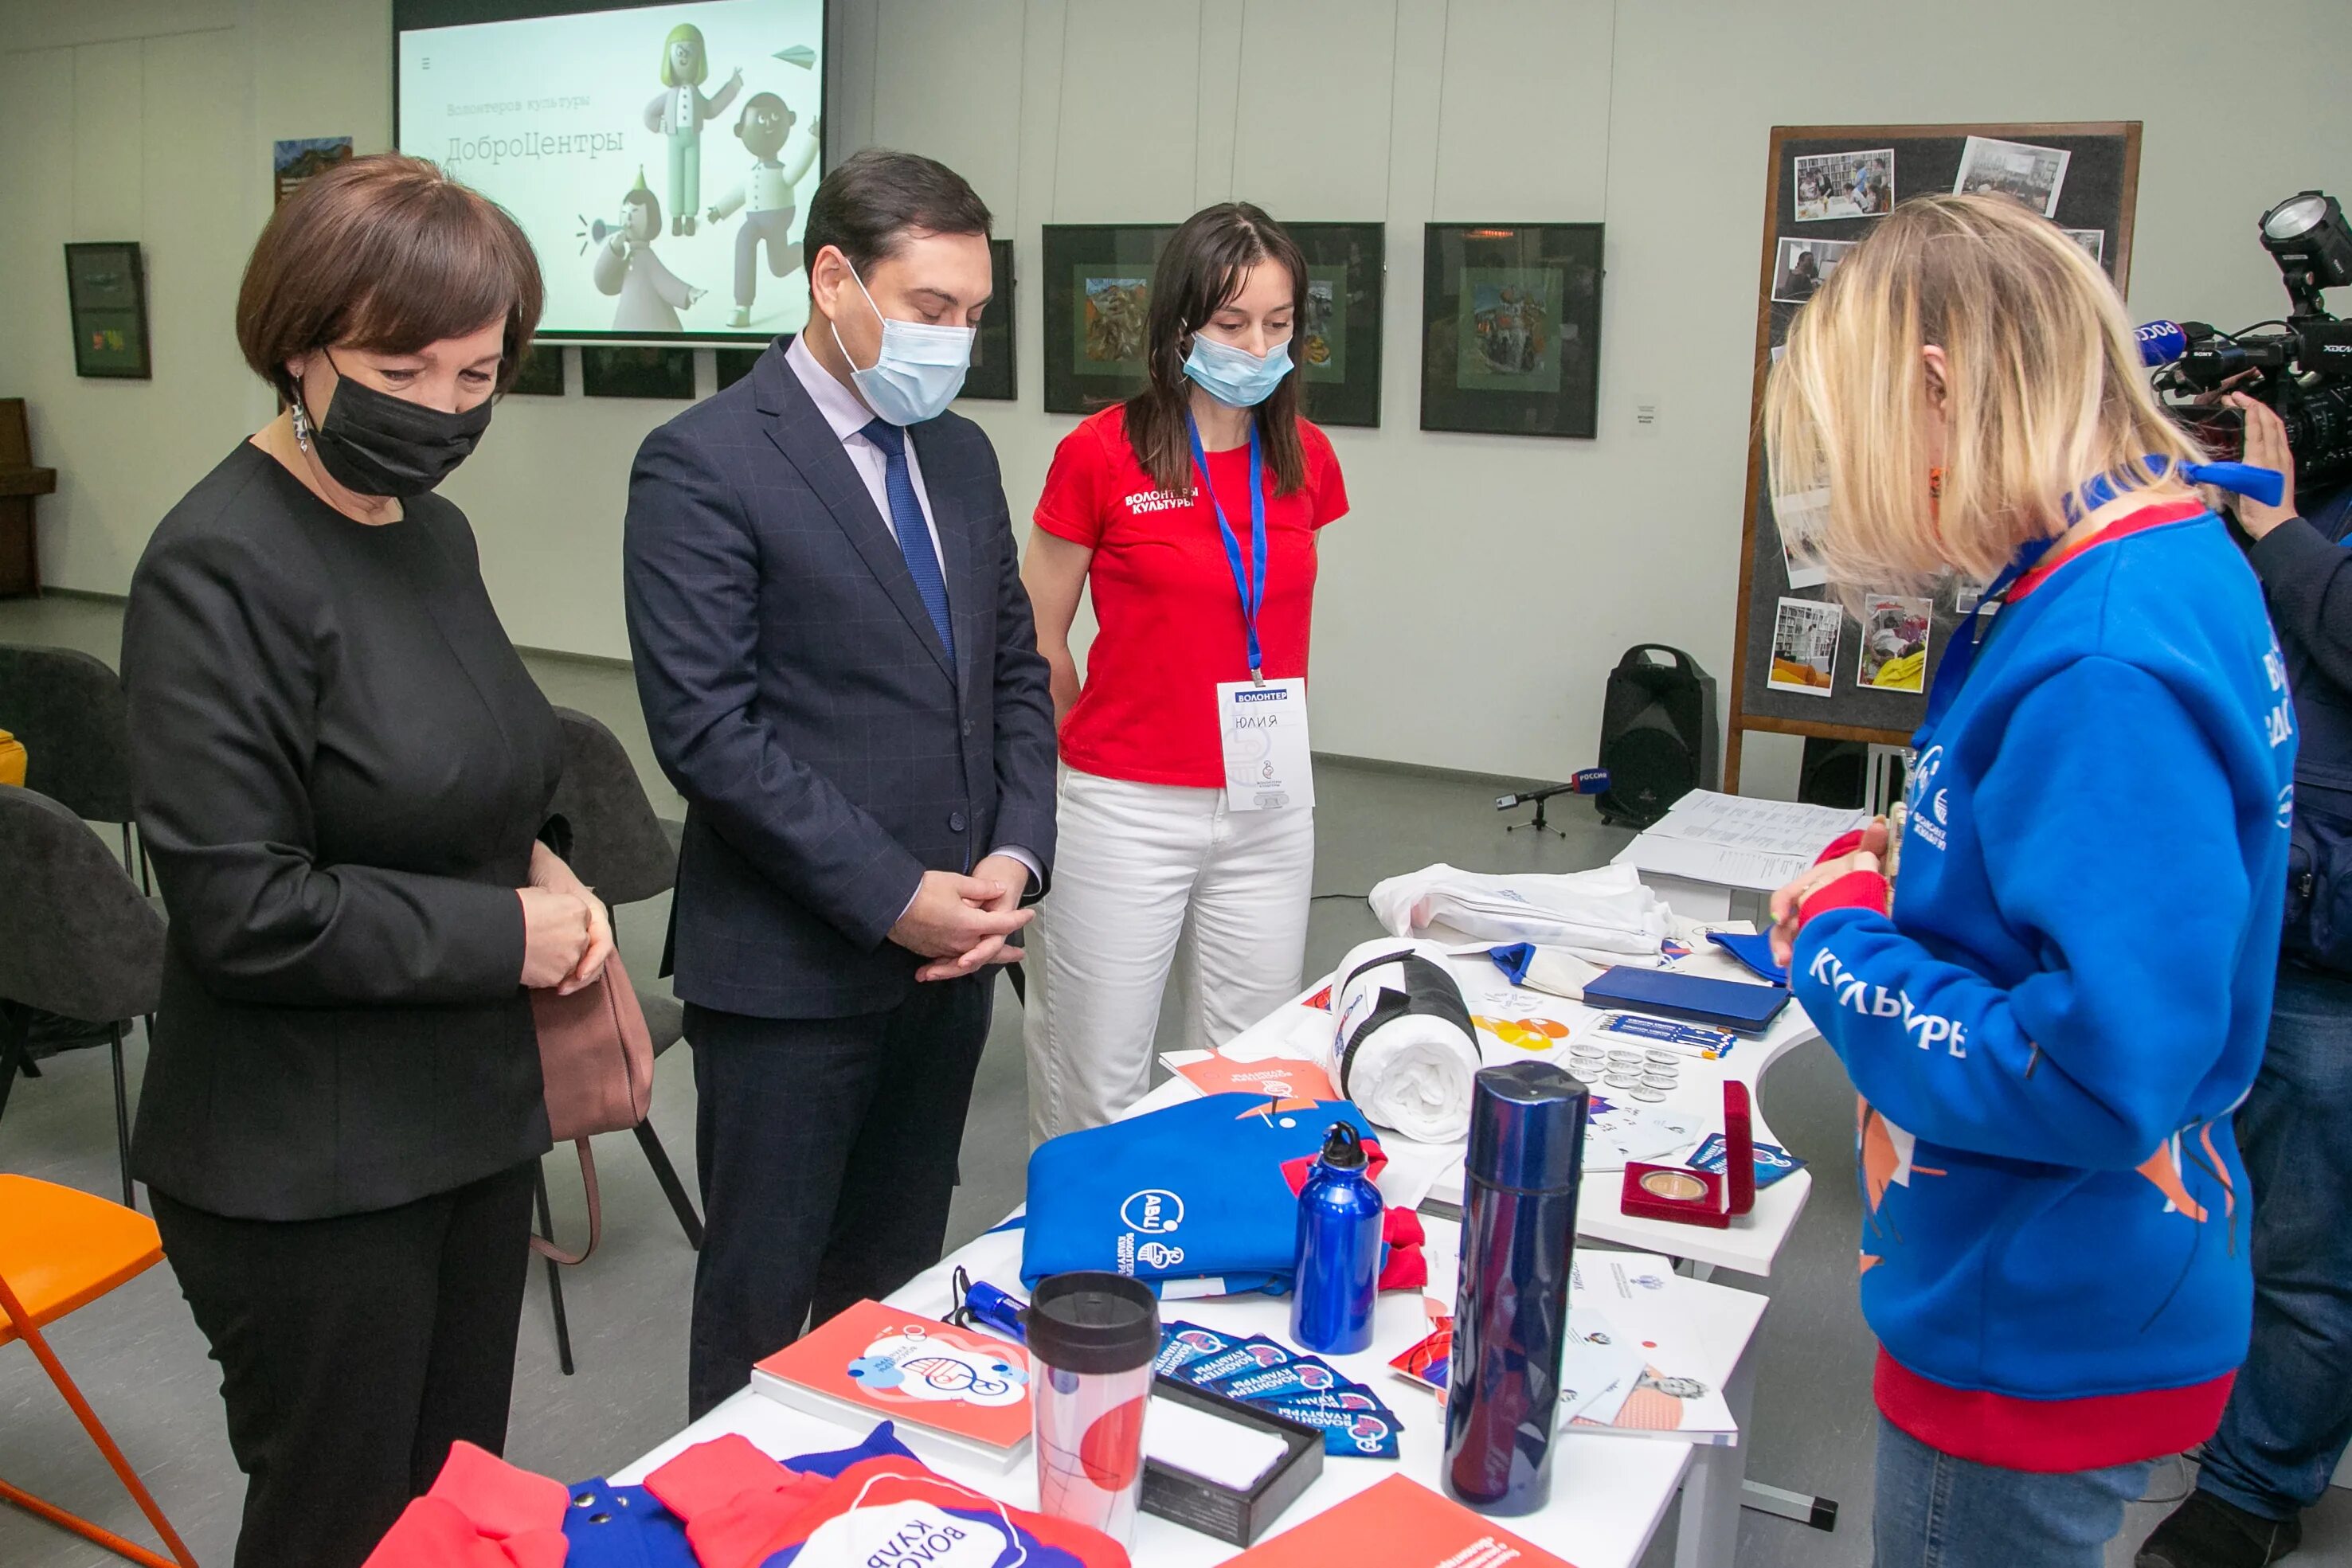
(660, 158)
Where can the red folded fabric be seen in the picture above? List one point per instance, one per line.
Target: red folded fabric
(481, 1513)
(1404, 1268)
(733, 1498)
(1402, 1228)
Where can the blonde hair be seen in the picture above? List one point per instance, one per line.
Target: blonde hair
(2043, 388)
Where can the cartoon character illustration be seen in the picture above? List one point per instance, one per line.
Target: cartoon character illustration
(764, 196)
(651, 295)
(935, 1368)
(677, 112)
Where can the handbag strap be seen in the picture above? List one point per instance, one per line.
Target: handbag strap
(545, 1246)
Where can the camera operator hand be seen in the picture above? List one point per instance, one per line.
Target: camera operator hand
(2265, 448)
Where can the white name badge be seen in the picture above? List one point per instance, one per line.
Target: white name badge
(1264, 731)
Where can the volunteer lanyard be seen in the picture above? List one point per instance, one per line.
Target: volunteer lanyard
(1249, 578)
(2264, 485)
(1967, 637)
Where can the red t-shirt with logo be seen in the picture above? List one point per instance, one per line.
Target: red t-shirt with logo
(1170, 615)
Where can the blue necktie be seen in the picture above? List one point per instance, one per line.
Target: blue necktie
(914, 534)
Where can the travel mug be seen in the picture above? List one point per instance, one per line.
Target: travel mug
(1093, 1337)
(1524, 1166)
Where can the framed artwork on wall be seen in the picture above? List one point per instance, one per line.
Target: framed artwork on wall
(106, 298)
(1338, 347)
(734, 364)
(992, 374)
(1511, 329)
(541, 374)
(1098, 297)
(648, 372)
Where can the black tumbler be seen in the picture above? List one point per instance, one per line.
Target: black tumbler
(1525, 1163)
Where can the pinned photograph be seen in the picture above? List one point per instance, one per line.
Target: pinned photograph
(2033, 175)
(1845, 185)
(2093, 241)
(1792, 518)
(1804, 646)
(1803, 265)
(1894, 644)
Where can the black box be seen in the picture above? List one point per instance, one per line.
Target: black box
(1228, 1515)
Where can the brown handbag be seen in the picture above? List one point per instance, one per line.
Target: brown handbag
(597, 1058)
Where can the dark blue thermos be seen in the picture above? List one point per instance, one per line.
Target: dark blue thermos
(1338, 1261)
(1511, 1320)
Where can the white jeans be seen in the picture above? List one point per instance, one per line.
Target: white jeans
(1139, 869)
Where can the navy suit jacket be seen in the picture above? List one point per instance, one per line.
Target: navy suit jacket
(799, 697)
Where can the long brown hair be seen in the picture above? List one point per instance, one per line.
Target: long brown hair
(1198, 274)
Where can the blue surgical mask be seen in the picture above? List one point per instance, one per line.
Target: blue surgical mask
(919, 371)
(1235, 377)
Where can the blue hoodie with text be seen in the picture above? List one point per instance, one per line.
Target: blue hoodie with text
(2070, 997)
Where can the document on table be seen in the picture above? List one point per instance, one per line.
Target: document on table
(1734, 841)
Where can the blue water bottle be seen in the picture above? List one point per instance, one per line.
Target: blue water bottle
(1337, 1260)
(1525, 1163)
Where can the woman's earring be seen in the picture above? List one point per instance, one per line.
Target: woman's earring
(301, 420)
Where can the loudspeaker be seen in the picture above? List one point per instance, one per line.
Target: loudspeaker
(1657, 733)
(1833, 773)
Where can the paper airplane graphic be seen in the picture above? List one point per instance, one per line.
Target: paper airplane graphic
(799, 55)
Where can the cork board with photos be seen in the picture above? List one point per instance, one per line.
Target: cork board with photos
(1801, 666)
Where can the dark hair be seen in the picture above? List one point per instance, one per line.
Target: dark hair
(1197, 274)
(388, 253)
(764, 100)
(638, 196)
(874, 198)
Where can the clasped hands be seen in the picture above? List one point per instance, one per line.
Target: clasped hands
(567, 935)
(961, 923)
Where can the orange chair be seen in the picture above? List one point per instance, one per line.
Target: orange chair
(60, 1249)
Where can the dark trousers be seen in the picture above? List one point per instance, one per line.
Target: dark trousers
(2290, 1412)
(826, 1149)
(353, 1353)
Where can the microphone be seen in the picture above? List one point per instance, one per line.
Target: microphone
(1591, 781)
(2161, 343)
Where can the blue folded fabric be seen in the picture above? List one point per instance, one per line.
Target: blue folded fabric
(1206, 1190)
(623, 1527)
(1755, 952)
(1513, 960)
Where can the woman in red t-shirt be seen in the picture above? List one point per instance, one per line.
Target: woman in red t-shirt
(1187, 808)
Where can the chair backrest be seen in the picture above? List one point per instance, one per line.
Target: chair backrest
(619, 846)
(69, 710)
(75, 937)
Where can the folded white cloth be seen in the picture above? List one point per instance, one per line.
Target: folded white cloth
(1604, 915)
(1403, 1049)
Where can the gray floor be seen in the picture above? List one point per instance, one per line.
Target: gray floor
(142, 1364)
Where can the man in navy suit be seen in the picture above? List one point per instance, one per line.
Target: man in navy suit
(837, 664)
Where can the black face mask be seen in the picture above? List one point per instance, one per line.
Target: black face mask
(378, 445)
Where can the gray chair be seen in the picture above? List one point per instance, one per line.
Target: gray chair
(621, 848)
(77, 938)
(70, 712)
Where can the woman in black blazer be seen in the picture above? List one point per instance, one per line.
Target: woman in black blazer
(342, 771)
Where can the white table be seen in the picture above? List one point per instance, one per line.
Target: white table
(1750, 1244)
(1608, 1492)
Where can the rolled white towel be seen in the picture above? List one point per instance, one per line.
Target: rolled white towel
(1403, 1049)
(1605, 915)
